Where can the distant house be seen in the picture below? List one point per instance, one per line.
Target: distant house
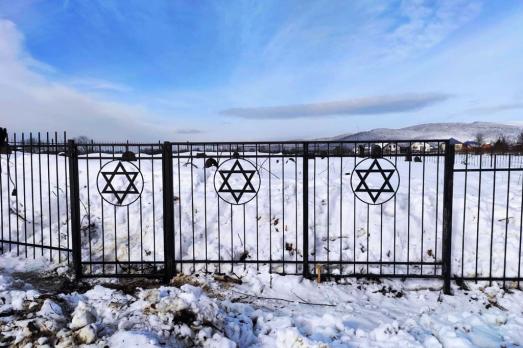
(458, 145)
(390, 148)
(420, 147)
(471, 145)
(386, 147)
(487, 147)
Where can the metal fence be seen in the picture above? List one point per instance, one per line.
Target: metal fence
(118, 240)
(34, 192)
(488, 216)
(407, 209)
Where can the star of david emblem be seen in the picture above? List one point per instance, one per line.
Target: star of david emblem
(120, 183)
(375, 181)
(237, 181)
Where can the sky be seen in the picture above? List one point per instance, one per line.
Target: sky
(256, 70)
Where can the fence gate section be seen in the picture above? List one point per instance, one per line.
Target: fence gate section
(376, 208)
(34, 196)
(336, 208)
(238, 204)
(488, 217)
(117, 204)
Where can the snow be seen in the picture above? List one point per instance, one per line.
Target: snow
(265, 310)
(269, 310)
(129, 339)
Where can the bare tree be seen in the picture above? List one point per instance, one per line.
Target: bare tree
(480, 138)
(501, 145)
(83, 142)
(519, 142)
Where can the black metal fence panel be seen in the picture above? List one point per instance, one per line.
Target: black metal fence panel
(121, 224)
(488, 219)
(34, 212)
(345, 235)
(217, 230)
(400, 237)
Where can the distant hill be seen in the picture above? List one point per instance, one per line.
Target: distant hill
(460, 131)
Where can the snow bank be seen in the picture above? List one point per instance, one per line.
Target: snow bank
(266, 310)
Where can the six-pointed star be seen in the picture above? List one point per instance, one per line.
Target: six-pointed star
(374, 193)
(236, 192)
(120, 194)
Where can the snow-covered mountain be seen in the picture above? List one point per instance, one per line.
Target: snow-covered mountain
(460, 131)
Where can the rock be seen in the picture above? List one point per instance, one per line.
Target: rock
(6, 310)
(51, 310)
(51, 325)
(87, 334)
(218, 340)
(173, 305)
(82, 316)
(65, 343)
(65, 339)
(32, 305)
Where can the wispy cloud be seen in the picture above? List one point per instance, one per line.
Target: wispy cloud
(495, 108)
(30, 101)
(91, 84)
(425, 24)
(361, 106)
(189, 131)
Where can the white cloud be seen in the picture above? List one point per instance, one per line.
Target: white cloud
(91, 84)
(188, 131)
(361, 106)
(31, 102)
(490, 109)
(426, 23)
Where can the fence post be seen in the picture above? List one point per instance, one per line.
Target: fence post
(74, 197)
(305, 213)
(448, 192)
(168, 211)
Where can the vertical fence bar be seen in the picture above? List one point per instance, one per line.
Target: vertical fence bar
(3, 145)
(448, 186)
(305, 188)
(74, 189)
(168, 210)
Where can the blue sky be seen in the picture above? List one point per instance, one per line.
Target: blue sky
(242, 70)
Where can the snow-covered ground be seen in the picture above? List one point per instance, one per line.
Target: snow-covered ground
(39, 307)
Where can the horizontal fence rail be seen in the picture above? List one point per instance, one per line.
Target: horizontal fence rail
(304, 208)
